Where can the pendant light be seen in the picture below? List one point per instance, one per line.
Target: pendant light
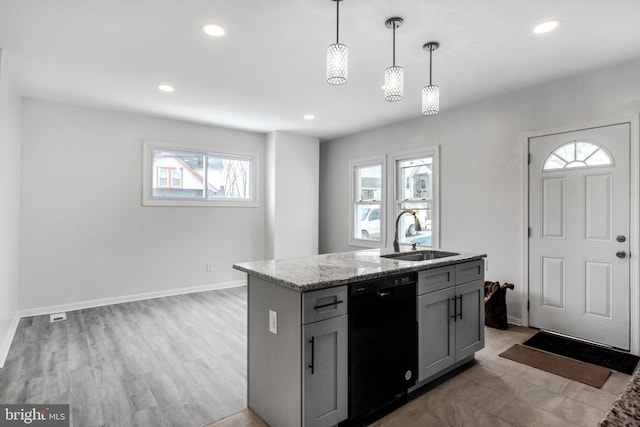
(337, 56)
(431, 93)
(394, 75)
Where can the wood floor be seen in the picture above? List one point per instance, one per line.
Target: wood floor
(181, 361)
(175, 361)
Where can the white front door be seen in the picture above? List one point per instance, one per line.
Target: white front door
(579, 234)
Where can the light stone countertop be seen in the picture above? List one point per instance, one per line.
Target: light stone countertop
(335, 269)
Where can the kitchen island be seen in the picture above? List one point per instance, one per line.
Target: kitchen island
(299, 326)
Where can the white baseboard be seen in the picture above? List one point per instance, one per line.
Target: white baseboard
(5, 345)
(39, 311)
(514, 320)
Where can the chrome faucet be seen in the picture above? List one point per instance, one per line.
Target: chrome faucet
(418, 227)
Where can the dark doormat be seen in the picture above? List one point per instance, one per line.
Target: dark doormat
(575, 370)
(590, 353)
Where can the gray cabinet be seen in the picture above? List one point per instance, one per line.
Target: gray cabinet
(325, 337)
(283, 323)
(450, 316)
(469, 334)
(436, 346)
(325, 379)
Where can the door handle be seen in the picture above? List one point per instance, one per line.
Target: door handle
(460, 298)
(328, 304)
(621, 254)
(313, 342)
(383, 293)
(620, 238)
(455, 309)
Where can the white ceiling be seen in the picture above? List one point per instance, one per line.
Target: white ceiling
(269, 68)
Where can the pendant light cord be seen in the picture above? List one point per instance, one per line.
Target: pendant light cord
(394, 44)
(337, 21)
(430, 62)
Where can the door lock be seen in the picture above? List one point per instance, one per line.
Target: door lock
(620, 238)
(621, 254)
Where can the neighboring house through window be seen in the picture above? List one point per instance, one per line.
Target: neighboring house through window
(416, 189)
(178, 176)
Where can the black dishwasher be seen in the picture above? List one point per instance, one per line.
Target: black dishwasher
(382, 343)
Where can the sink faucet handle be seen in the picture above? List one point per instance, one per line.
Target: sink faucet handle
(413, 246)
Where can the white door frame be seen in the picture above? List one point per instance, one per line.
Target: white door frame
(634, 218)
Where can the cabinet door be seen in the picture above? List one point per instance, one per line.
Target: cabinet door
(436, 340)
(470, 318)
(325, 379)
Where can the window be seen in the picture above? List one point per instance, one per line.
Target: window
(416, 189)
(367, 208)
(577, 154)
(184, 177)
(176, 178)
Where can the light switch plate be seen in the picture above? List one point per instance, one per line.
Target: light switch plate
(273, 322)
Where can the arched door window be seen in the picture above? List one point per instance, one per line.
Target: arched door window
(577, 154)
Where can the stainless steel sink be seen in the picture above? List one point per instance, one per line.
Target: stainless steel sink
(424, 255)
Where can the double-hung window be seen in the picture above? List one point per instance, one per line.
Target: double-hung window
(367, 222)
(192, 177)
(416, 189)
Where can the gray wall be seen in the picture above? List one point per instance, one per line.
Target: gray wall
(9, 205)
(84, 234)
(481, 163)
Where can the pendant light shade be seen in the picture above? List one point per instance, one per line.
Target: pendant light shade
(337, 56)
(394, 75)
(431, 93)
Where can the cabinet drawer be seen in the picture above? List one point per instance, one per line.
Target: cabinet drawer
(436, 279)
(324, 304)
(469, 271)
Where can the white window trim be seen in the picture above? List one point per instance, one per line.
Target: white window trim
(434, 151)
(147, 177)
(368, 161)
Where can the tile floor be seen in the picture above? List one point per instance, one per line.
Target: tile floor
(493, 391)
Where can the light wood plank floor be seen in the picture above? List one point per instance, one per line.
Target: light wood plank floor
(181, 361)
(175, 361)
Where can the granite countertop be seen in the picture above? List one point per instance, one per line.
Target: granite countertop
(626, 409)
(329, 270)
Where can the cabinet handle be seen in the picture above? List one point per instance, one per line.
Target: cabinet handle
(455, 309)
(328, 304)
(460, 314)
(313, 345)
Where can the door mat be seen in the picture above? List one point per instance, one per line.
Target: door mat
(576, 370)
(579, 350)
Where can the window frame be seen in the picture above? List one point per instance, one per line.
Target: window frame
(353, 204)
(148, 147)
(434, 152)
(565, 167)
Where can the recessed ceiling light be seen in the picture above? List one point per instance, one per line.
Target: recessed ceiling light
(309, 117)
(213, 30)
(546, 27)
(166, 88)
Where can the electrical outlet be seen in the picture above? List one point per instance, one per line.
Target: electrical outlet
(273, 322)
(209, 267)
